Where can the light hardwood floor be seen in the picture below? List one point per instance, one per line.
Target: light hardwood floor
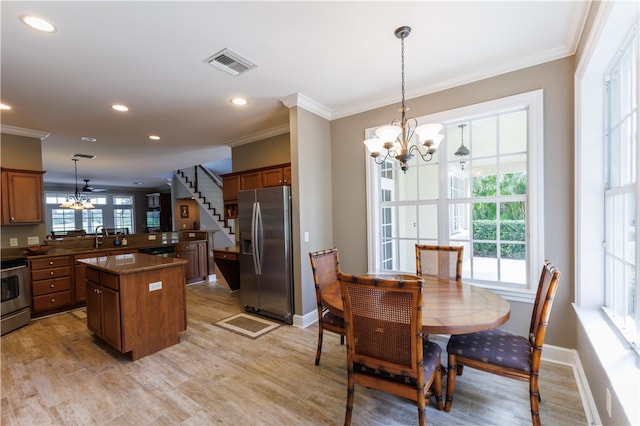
(55, 372)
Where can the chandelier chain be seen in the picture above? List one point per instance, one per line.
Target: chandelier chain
(402, 68)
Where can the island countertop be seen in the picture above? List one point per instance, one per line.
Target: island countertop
(131, 263)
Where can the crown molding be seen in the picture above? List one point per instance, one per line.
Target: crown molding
(19, 131)
(302, 101)
(257, 136)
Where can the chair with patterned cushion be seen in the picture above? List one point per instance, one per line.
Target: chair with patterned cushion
(385, 348)
(326, 266)
(500, 352)
(440, 261)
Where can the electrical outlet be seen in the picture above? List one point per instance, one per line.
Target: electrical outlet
(13, 242)
(157, 285)
(192, 234)
(152, 237)
(608, 392)
(33, 241)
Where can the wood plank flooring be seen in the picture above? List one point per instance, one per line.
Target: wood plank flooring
(55, 372)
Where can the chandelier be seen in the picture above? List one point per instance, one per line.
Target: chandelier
(76, 201)
(395, 139)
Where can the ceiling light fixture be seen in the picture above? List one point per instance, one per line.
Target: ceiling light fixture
(239, 101)
(120, 107)
(154, 137)
(88, 139)
(76, 201)
(5, 107)
(38, 23)
(396, 138)
(462, 151)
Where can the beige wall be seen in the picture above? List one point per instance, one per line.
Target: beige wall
(349, 192)
(24, 153)
(267, 152)
(311, 200)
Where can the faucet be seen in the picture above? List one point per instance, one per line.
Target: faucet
(100, 235)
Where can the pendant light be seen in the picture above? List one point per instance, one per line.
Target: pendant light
(462, 151)
(76, 201)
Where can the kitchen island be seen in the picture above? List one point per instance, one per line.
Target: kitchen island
(136, 302)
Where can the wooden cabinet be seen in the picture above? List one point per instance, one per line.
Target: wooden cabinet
(22, 197)
(228, 263)
(263, 177)
(80, 274)
(51, 284)
(159, 217)
(196, 254)
(103, 307)
(140, 309)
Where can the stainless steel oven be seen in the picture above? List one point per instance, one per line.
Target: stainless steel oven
(16, 297)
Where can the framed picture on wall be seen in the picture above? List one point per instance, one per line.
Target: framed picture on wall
(184, 212)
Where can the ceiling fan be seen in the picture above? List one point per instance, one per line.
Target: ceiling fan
(87, 188)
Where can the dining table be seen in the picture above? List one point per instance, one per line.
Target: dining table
(450, 306)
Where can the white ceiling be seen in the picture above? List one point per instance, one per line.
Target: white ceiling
(149, 55)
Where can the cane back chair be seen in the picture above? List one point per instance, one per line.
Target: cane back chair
(441, 261)
(385, 348)
(500, 352)
(326, 266)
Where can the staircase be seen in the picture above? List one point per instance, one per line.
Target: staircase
(206, 189)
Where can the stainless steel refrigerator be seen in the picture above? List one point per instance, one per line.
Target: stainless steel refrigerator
(266, 261)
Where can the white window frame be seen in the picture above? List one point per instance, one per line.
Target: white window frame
(533, 101)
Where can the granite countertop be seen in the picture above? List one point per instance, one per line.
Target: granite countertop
(132, 263)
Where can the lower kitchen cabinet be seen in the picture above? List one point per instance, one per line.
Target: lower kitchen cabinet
(137, 307)
(51, 285)
(103, 310)
(79, 270)
(195, 252)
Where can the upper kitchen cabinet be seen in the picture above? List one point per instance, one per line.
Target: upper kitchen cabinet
(22, 197)
(263, 177)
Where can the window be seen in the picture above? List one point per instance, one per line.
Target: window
(620, 191)
(490, 203)
(110, 211)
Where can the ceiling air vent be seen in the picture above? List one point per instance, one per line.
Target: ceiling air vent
(88, 156)
(230, 62)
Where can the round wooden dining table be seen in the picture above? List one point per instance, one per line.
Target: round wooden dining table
(449, 306)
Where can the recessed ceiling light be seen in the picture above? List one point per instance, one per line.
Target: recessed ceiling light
(239, 101)
(154, 137)
(137, 183)
(5, 107)
(38, 23)
(120, 107)
(88, 139)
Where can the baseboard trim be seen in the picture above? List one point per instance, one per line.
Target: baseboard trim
(571, 358)
(304, 321)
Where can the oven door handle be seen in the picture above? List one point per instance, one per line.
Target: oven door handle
(15, 268)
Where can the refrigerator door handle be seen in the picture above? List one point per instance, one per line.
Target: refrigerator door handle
(256, 220)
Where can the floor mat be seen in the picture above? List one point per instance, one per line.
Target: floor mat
(248, 325)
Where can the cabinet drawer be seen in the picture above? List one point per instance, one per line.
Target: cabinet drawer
(225, 255)
(52, 262)
(45, 274)
(51, 301)
(109, 280)
(51, 286)
(93, 275)
(185, 246)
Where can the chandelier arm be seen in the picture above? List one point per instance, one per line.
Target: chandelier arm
(427, 156)
(375, 159)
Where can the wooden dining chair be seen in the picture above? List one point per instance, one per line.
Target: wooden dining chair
(441, 261)
(385, 348)
(500, 352)
(326, 266)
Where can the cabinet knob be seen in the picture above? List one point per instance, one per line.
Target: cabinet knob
(51, 273)
(51, 262)
(53, 300)
(12, 219)
(52, 285)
